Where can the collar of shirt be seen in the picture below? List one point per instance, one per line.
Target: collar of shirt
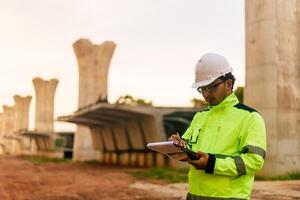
(229, 101)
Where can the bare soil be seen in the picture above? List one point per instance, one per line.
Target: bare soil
(21, 179)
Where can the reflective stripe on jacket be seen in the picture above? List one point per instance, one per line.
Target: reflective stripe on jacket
(234, 135)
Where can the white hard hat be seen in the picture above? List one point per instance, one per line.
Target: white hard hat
(210, 67)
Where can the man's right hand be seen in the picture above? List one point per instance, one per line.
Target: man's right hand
(177, 140)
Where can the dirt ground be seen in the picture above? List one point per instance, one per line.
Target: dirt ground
(21, 179)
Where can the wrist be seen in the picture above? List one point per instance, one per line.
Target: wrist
(210, 165)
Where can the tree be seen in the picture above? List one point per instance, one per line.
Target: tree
(199, 103)
(129, 100)
(239, 92)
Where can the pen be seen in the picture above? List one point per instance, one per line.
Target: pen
(178, 135)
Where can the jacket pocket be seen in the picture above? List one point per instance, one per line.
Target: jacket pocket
(195, 135)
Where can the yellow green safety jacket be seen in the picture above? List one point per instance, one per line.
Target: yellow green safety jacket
(234, 135)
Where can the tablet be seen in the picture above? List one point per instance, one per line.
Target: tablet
(173, 151)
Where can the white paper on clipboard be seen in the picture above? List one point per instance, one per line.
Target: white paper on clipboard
(168, 148)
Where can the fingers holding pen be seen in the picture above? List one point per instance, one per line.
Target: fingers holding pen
(177, 140)
(174, 137)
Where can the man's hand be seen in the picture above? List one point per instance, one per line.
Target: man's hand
(177, 140)
(202, 162)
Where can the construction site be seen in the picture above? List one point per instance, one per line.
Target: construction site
(115, 135)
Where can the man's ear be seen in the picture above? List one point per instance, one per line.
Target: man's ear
(229, 84)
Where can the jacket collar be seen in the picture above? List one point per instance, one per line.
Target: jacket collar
(229, 101)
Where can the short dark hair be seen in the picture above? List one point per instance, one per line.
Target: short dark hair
(227, 77)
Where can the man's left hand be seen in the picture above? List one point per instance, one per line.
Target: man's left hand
(202, 162)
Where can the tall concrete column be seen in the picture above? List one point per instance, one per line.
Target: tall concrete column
(9, 119)
(2, 150)
(93, 63)
(273, 78)
(1, 124)
(21, 119)
(44, 109)
(8, 127)
(2, 140)
(22, 112)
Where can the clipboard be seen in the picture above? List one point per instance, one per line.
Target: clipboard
(173, 151)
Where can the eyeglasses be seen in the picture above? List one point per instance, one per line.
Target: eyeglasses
(209, 88)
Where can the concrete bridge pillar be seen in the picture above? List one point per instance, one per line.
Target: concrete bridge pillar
(44, 109)
(44, 112)
(1, 124)
(1, 133)
(273, 78)
(22, 105)
(9, 119)
(8, 126)
(22, 112)
(93, 63)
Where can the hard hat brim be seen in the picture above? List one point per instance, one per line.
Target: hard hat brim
(202, 83)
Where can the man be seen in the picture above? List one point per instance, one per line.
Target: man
(229, 137)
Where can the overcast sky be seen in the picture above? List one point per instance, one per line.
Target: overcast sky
(158, 45)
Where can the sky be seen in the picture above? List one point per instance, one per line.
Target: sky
(158, 45)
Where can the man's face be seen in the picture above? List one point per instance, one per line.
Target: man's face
(216, 92)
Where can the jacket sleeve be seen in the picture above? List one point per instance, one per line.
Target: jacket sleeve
(252, 151)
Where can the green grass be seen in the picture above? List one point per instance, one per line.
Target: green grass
(92, 162)
(167, 174)
(171, 175)
(41, 160)
(181, 175)
(290, 176)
